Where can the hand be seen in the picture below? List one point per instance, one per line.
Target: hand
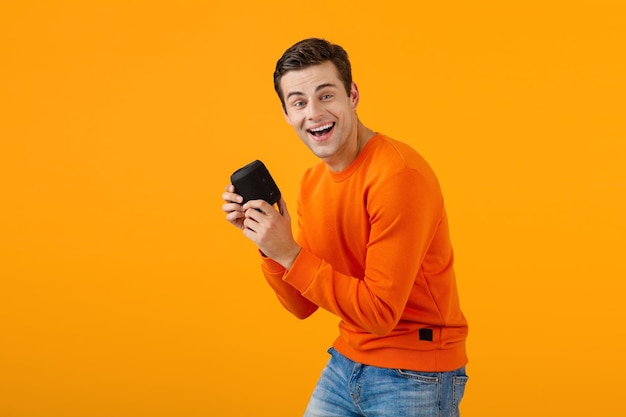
(270, 230)
(232, 207)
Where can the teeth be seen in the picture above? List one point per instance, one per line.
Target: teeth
(319, 129)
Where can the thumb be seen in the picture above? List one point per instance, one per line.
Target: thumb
(282, 208)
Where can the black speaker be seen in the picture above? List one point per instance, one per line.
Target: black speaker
(254, 182)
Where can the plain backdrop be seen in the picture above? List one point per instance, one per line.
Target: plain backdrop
(123, 290)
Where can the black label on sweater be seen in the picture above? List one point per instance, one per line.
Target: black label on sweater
(426, 334)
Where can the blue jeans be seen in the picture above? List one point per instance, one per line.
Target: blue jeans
(350, 389)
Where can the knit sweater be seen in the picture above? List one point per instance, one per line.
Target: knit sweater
(376, 252)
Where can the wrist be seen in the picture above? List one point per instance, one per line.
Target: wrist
(289, 259)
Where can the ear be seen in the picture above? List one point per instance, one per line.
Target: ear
(354, 96)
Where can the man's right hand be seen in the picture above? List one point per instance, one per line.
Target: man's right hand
(235, 214)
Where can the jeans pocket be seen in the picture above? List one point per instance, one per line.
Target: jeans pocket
(425, 377)
(458, 389)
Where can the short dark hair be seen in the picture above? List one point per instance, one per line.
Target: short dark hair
(313, 51)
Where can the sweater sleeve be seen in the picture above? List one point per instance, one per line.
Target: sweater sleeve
(288, 296)
(404, 214)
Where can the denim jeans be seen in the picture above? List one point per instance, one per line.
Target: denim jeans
(350, 389)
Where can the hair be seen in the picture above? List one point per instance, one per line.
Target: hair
(309, 52)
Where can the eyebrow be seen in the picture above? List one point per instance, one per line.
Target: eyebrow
(318, 88)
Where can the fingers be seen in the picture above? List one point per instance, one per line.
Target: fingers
(254, 216)
(232, 201)
(235, 217)
(266, 208)
(257, 212)
(232, 206)
(282, 207)
(230, 196)
(260, 205)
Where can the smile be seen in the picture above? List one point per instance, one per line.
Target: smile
(322, 130)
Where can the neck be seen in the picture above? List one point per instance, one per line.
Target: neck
(363, 135)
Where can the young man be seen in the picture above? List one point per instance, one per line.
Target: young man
(372, 247)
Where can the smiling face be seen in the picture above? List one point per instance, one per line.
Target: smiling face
(322, 114)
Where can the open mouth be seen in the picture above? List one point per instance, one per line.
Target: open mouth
(322, 130)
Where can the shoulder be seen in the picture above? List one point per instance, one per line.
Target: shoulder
(391, 157)
(315, 172)
(398, 181)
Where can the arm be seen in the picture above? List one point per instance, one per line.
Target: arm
(256, 225)
(404, 214)
(271, 231)
(280, 244)
(288, 296)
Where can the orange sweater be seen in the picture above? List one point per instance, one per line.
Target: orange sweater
(376, 252)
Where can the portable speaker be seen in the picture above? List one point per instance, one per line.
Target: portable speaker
(254, 182)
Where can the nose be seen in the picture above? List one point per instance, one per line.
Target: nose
(314, 110)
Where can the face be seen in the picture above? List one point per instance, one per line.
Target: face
(322, 113)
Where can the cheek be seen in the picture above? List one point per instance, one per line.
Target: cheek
(287, 118)
(293, 120)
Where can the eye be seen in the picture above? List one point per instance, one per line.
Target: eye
(327, 96)
(298, 103)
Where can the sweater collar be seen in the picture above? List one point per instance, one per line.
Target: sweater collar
(356, 163)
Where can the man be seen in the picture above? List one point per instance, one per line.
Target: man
(372, 247)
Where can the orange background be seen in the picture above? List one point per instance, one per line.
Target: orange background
(124, 292)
